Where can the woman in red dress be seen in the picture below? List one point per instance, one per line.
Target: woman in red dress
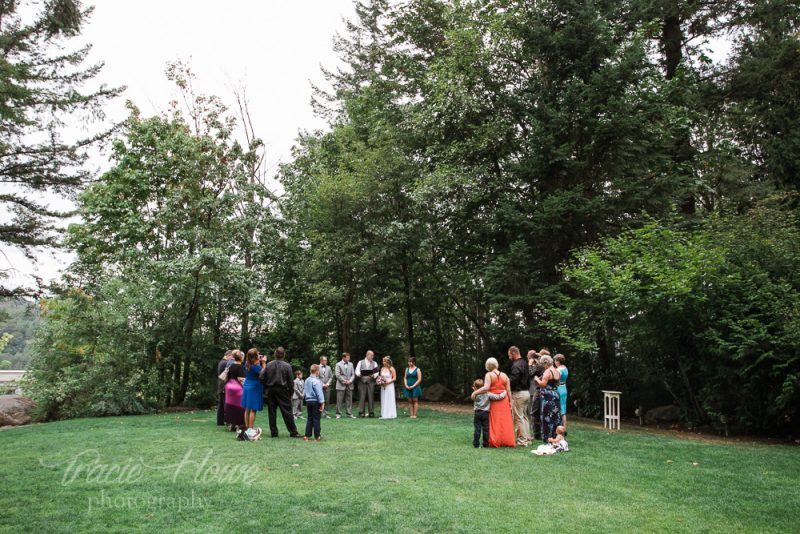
(501, 426)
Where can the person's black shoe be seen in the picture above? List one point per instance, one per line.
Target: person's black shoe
(361, 414)
(273, 435)
(475, 445)
(295, 436)
(372, 415)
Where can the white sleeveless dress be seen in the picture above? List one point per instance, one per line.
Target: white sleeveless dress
(388, 406)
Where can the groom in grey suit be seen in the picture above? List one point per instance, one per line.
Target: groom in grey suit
(345, 375)
(326, 377)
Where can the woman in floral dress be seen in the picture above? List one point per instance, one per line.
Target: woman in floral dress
(551, 401)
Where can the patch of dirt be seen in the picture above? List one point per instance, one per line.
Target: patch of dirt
(449, 407)
(632, 425)
(181, 409)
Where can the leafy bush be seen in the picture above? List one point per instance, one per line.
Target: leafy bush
(709, 316)
(80, 367)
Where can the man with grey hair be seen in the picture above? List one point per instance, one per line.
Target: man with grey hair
(520, 381)
(366, 371)
(326, 377)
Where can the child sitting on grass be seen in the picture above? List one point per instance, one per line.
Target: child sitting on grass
(554, 445)
(481, 420)
(297, 395)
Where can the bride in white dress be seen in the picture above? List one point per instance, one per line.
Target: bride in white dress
(387, 378)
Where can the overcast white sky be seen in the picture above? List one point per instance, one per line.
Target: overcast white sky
(273, 47)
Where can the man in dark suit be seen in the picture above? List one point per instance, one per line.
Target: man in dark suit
(278, 379)
(225, 362)
(535, 370)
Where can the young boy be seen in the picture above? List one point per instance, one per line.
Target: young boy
(554, 445)
(315, 402)
(297, 396)
(481, 420)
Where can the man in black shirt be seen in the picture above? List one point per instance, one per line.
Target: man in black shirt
(520, 396)
(278, 379)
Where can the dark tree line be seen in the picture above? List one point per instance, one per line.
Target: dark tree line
(480, 149)
(580, 175)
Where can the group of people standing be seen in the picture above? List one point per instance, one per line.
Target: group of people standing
(527, 405)
(366, 374)
(248, 382)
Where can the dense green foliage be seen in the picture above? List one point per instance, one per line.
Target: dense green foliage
(18, 319)
(611, 482)
(164, 271)
(709, 315)
(581, 175)
(476, 146)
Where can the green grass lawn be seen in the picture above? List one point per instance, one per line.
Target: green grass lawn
(369, 475)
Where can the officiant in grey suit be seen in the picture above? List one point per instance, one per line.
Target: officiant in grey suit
(345, 375)
(366, 372)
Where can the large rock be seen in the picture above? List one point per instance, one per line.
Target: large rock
(663, 414)
(15, 410)
(437, 393)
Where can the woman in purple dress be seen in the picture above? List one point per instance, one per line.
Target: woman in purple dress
(234, 413)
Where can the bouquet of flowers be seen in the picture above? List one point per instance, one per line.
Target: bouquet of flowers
(381, 381)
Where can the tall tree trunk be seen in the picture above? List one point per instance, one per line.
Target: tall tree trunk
(698, 408)
(374, 316)
(672, 44)
(176, 378)
(605, 349)
(339, 346)
(479, 334)
(188, 338)
(244, 338)
(347, 320)
(409, 311)
(218, 324)
(445, 365)
(672, 37)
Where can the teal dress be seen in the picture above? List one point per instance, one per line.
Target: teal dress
(411, 378)
(562, 389)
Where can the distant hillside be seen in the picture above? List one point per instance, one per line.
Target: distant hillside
(18, 318)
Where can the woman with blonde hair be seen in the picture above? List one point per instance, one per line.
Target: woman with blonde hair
(501, 426)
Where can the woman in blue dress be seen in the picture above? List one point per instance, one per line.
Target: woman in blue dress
(252, 392)
(562, 386)
(412, 389)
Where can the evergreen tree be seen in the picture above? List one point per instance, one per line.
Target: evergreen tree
(43, 88)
